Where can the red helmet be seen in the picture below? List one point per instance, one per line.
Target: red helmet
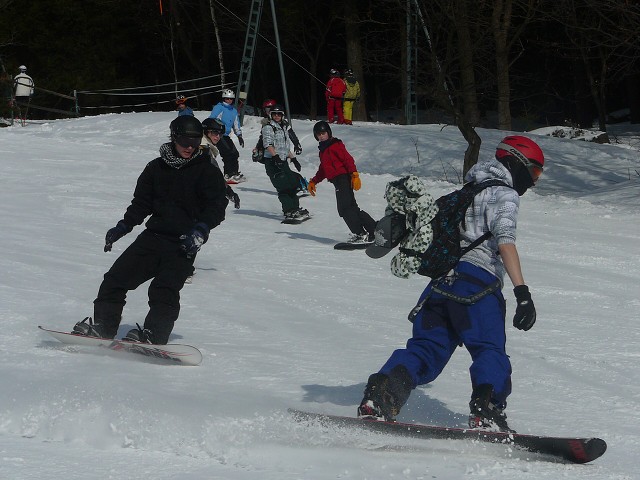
(269, 103)
(522, 148)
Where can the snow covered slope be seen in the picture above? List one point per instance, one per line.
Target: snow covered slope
(283, 320)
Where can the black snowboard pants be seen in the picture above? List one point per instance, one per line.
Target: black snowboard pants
(357, 220)
(149, 257)
(229, 154)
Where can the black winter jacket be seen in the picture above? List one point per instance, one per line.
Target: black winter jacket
(177, 199)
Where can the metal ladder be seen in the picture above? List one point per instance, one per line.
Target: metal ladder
(244, 79)
(253, 25)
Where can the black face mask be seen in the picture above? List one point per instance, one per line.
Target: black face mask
(522, 180)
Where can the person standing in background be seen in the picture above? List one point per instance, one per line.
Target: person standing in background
(24, 89)
(334, 95)
(351, 95)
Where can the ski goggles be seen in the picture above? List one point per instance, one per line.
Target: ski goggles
(186, 142)
(535, 171)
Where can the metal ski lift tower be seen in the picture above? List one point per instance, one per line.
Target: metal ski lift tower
(248, 55)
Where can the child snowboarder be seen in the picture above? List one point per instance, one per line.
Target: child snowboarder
(277, 152)
(213, 129)
(226, 112)
(338, 166)
(182, 107)
(466, 307)
(258, 151)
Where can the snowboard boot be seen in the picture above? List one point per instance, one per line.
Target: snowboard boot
(300, 213)
(139, 334)
(87, 328)
(385, 395)
(358, 238)
(485, 414)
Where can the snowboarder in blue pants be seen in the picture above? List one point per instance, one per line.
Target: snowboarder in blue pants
(450, 314)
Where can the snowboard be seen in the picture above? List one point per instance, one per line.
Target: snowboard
(172, 353)
(351, 246)
(571, 449)
(295, 221)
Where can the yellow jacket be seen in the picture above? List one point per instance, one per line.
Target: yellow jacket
(353, 90)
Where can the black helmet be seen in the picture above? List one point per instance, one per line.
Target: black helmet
(277, 108)
(320, 127)
(186, 126)
(213, 125)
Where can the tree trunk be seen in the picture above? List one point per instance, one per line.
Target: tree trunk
(597, 87)
(354, 55)
(218, 42)
(474, 141)
(632, 82)
(500, 23)
(467, 75)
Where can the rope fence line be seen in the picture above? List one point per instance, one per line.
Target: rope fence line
(163, 98)
(154, 86)
(159, 102)
(170, 92)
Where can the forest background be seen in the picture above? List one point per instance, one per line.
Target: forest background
(508, 64)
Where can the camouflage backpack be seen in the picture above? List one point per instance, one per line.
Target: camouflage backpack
(430, 242)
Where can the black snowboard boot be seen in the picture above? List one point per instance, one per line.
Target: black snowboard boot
(385, 395)
(87, 328)
(139, 334)
(485, 414)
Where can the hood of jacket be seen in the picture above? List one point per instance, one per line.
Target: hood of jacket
(489, 170)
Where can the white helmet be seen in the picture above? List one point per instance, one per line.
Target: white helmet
(22, 68)
(228, 93)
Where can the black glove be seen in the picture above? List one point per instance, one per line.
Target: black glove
(241, 141)
(114, 234)
(298, 149)
(296, 163)
(197, 237)
(525, 315)
(233, 197)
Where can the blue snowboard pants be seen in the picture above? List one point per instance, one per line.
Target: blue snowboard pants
(443, 324)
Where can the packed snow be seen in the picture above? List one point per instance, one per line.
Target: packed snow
(285, 321)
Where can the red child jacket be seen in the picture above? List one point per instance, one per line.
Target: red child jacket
(336, 88)
(334, 161)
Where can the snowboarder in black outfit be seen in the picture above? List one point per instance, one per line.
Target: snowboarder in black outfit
(184, 195)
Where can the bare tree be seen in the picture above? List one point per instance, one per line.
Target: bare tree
(603, 36)
(354, 54)
(218, 42)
